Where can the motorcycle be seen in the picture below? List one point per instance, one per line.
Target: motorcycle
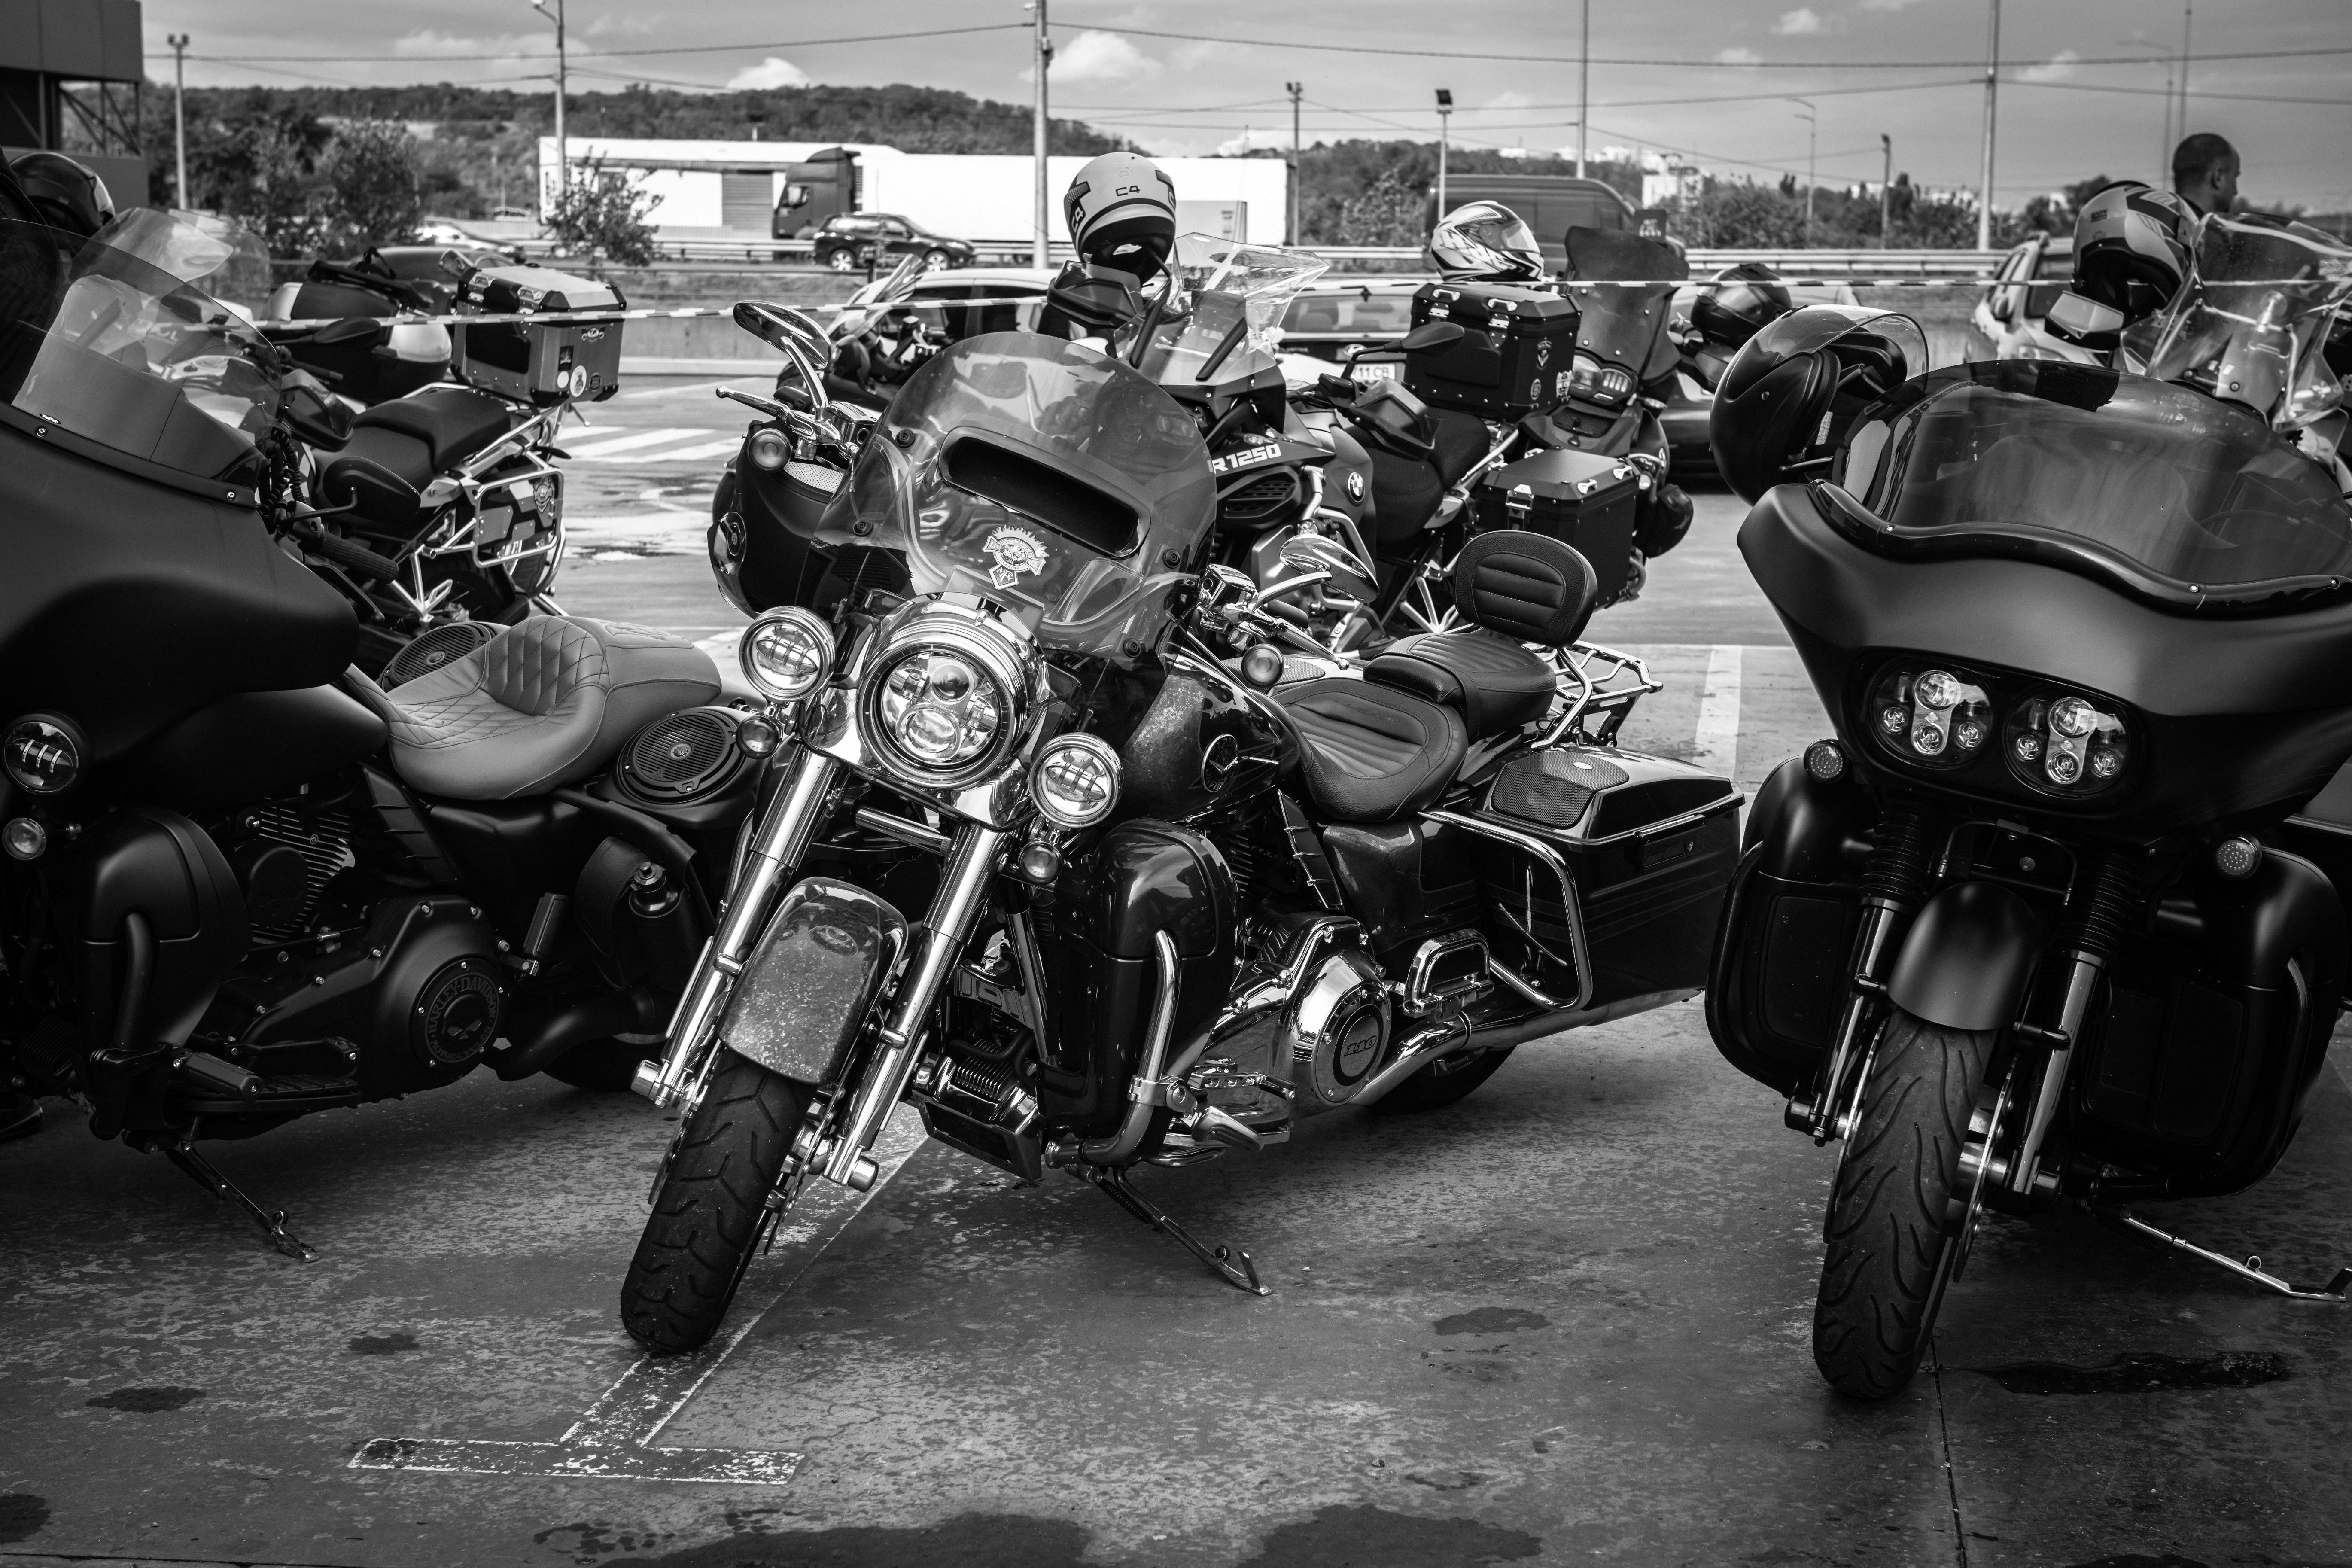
(2025, 932)
(1165, 911)
(243, 882)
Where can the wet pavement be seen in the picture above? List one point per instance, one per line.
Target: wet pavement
(1566, 1320)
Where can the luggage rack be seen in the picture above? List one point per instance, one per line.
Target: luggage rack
(1601, 686)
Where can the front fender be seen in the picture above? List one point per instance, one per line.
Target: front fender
(1966, 958)
(804, 994)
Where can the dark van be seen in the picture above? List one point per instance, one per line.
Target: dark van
(1551, 205)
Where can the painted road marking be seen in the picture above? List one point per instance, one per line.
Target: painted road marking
(1716, 744)
(701, 454)
(604, 449)
(614, 1439)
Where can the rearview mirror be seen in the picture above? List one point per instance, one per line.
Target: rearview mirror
(2004, 304)
(1433, 335)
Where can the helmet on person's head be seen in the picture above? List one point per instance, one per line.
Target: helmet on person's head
(1795, 389)
(1485, 242)
(1121, 209)
(1742, 302)
(66, 196)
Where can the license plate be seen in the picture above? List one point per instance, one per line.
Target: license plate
(1383, 372)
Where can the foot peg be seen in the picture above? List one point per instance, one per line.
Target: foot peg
(272, 1222)
(2250, 1271)
(1231, 1263)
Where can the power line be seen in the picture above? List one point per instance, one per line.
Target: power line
(616, 54)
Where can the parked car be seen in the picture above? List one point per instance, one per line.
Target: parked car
(847, 241)
(2009, 322)
(1332, 316)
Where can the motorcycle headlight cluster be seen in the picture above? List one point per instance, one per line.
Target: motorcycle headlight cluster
(938, 710)
(787, 653)
(2053, 741)
(1075, 781)
(2064, 744)
(1603, 384)
(1931, 717)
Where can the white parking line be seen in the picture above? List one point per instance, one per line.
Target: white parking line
(1716, 746)
(598, 451)
(701, 454)
(614, 1440)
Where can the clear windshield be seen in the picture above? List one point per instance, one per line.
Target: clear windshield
(1224, 302)
(2249, 324)
(1042, 475)
(2159, 481)
(1624, 325)
(217, 255)
(113, 348)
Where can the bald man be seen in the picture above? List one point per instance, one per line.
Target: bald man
(2205, 173)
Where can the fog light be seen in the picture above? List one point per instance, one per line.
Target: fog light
(1825, 759)
(2233, 857)
(1075, 781)
(24, 839)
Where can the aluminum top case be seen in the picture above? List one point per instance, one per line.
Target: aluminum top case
(540, 363)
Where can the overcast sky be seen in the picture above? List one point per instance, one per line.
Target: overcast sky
(2063, 114)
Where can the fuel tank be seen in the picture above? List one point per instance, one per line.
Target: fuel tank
(1201, 745)
(127, 606)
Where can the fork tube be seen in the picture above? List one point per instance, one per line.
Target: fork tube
(964, 888)
(792, 820)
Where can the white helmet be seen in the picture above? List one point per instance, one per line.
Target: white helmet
(1121, 209)
(1486, 242)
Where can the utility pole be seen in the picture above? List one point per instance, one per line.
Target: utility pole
(1041, 57)
(553, 11)
(1991, 111)
(179, 42)
(1583, 85)
(1886, 193)
(1812, 146)
(1445, 115)
(2188, 13)
(1295, 88)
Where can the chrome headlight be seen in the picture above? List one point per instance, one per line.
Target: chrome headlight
(1075, 781)
(787, 653)
(938, 709)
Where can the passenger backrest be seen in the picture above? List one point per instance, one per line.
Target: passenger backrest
(1528, 586)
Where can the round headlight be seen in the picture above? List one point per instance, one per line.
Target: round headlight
(939, 708)
(1075, 781)
(769, 448)
(44, 753)
(787, 653)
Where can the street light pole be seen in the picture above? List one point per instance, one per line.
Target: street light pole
(1444, 116)
(553, 11)
(1583, 85)
(1812, 145)
(1295, 88)
(1992, 72)
(179, 42)
(1885, 192)
(1042, 57)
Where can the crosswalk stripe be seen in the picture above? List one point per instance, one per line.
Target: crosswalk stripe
(701, 454)
(594, 451)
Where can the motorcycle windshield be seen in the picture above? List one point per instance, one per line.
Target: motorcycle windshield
(1041, 475)
(2157, 489)
(1225, 305)
(2250, 323)
(1624, 325)
(217, 255)
(112, 348)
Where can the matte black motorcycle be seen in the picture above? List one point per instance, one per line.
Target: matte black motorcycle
(244, 882)
(2021, 932)
(1164, 913)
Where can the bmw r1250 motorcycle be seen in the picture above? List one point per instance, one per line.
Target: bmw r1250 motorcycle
(2021, 934)
(1090, 896)
(244, 882)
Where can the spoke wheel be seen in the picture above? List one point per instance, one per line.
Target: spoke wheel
(1891, 1237)
(710, 1211)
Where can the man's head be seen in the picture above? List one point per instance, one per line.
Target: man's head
(2205, 172)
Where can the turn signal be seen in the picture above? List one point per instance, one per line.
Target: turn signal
(1825, 759)
(769, 449)
(2234, 857)
(25, 839)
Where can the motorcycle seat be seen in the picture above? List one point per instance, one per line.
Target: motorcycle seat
(545, 703)
(397, 448)
(454, 422)
(1371, 753)
(1496, 684)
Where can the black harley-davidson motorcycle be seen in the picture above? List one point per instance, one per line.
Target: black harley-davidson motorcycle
(2025, 931)
(243, 881)
(1090, 896)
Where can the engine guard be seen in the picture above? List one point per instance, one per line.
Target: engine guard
(805, 992)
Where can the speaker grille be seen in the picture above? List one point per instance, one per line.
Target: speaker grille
(683, 755)
(429, 651)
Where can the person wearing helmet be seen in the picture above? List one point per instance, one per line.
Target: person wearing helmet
(1121, 209)
(66, 196)
(2205, 173)
(1485, 242)
(2131, 252)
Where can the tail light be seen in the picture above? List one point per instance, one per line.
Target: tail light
(1931, 717)
(2064, 745)
(1607, 384)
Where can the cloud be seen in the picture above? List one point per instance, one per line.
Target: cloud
(1888, 4)
(1509, 100)
(1253, 141)
(1094, 56)
(1739, 57)
(636, 26)
(1805, 22)
(427, 43)
(2058, 67)
(773, 71)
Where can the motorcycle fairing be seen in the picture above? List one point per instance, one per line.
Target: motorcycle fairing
(806, 990)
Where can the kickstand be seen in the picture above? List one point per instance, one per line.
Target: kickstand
(273, 1226)
(1231, 1263)
(2250, 1270)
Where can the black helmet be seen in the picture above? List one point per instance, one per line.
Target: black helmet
(1742, 302)
(66, 195)
(1121, 209)
(1794, 390)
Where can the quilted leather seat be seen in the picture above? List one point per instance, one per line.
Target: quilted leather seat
(545, 703)
(396, 448)
(1371, 753)
(1496, 684)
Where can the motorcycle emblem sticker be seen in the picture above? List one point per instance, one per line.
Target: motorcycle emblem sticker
(1016, 551)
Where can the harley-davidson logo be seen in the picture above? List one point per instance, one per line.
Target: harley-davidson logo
(1016, 551)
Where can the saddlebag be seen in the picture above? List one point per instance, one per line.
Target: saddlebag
(540, 363)
(1590, 502)
(1512, 358)
(1604, 871)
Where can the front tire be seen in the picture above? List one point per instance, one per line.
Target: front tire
(707, 1215)
(1891, 1227)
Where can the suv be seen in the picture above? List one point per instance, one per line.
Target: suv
(2008, 322)
(848, 241)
